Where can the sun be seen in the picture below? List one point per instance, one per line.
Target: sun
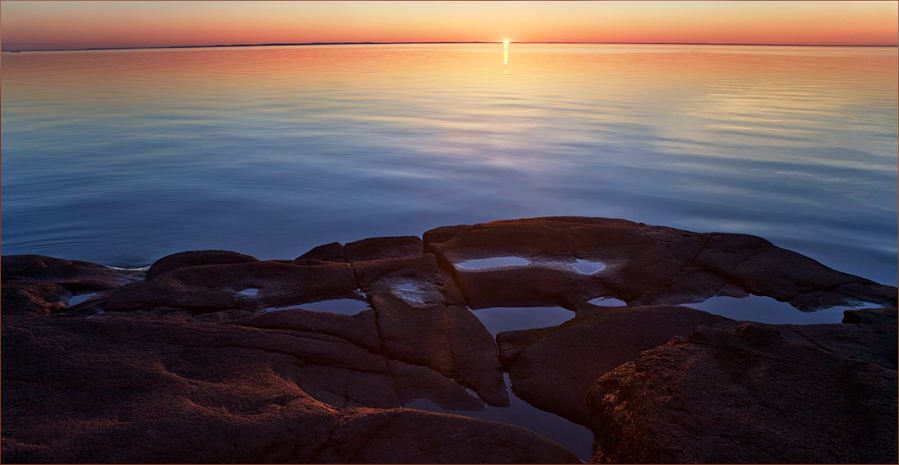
(506, 41)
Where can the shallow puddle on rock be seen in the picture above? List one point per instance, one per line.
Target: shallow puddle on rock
(607, 302)
(588, 267)
(501, 319)
(767, 310)
(81, 298)
(416, 293)
(249, 292)
(492, 262)
(574, 437)
(342, 306)
(408, 290)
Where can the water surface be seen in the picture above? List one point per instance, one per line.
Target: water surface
(122, 157)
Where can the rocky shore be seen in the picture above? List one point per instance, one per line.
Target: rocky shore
(210, 356)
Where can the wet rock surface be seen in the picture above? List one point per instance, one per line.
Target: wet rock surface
(757, 394)
(210, 356)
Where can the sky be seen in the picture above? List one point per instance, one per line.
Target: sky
(110, 24)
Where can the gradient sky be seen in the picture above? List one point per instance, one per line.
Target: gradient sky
(72, 25)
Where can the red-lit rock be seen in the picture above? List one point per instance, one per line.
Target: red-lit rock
(188, 367)
(409, 297)
(208, 288)
(114, 390)
(759, 394)
(554, 368)
(646, 265)
(377, 248)
(196, 258)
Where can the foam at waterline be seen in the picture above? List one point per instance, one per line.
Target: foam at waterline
(768, 310)
(492, 262)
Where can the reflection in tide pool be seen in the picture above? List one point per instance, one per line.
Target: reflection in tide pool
(588, 267)
(492, 262)
(81, 298)
(607, 302)
(342, 306)
(767, 310)
(574, 437)
(501, 319)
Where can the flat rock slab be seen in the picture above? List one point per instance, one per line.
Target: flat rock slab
(121, 390)
(758, 394)
(554, 368)
(645, 265)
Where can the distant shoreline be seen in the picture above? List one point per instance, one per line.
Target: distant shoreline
(429, 43)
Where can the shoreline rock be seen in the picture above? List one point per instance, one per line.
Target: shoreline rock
(757, 394)
(188, 362)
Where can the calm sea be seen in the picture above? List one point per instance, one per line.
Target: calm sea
(123, 157)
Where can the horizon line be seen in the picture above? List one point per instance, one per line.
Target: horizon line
(429, 42)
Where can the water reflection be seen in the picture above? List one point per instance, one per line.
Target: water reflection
(272, 151)
(505, 53)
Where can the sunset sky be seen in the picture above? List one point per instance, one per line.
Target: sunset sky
(75, 25)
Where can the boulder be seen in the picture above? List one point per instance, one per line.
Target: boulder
(332, 252)
(416, 325)
(554, 368)
(376, 248)
(196, 258)
(35, 284)
(757, 394)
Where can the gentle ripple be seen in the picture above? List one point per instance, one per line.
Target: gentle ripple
(122, 157)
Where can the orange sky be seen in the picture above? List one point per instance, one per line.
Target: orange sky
(66, 25)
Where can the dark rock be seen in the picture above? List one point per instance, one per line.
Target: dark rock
(646, 265)
(332, 252)
(76, 276)
(39, 298)
(208, 288)
(759, 394)
(377, 248)
(554, 368)
(40, 285)
(188, 367)
(125, 391)
(196, 258)
(409, 298)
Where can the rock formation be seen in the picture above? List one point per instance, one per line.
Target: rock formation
(757, 394)
(210, 356)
